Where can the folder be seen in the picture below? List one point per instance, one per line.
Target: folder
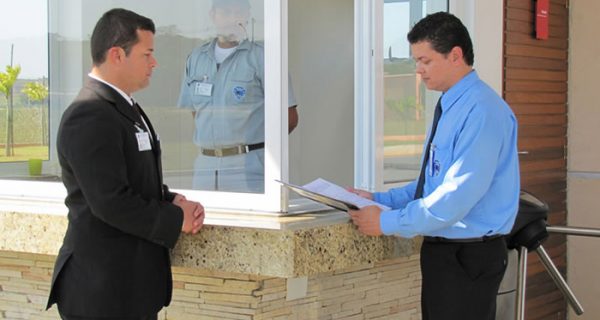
(321, 198)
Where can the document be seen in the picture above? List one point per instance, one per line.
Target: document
(333, 195)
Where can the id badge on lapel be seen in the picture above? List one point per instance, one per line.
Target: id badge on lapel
(143, 139)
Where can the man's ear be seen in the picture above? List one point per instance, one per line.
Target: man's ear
(456, 54)
(115, 55)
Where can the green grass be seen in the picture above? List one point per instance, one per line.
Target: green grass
(29, 125)
(30, 134)
(25, 153)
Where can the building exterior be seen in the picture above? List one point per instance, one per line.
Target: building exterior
(344, 68)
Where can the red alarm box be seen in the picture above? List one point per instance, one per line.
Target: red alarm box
(541, 19)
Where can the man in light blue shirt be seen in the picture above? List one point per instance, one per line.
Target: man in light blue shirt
(467, 198)
(223, 86)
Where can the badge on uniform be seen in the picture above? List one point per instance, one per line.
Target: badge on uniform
(239, 93)
(434, 164)
(203, 89)
(436, 168)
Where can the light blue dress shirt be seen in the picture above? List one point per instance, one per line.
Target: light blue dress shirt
(228, 101)
(472, 179)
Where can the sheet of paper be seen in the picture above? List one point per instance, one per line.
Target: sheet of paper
(335, 191)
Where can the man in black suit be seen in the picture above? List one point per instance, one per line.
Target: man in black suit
(114, 262)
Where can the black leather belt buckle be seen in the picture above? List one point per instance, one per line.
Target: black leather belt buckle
(256, 146)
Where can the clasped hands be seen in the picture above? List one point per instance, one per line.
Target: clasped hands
(193, 214)
(367, 219)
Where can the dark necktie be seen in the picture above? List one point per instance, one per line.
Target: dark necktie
(436, 118)
(138, 111)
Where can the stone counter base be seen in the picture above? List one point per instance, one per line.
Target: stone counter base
(383, 290)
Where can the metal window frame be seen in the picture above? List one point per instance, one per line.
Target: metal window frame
(274, 199)
(484, 21)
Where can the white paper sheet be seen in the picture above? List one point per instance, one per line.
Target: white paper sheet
(335, 191)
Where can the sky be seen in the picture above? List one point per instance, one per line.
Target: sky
(395, 28)
(24, 23)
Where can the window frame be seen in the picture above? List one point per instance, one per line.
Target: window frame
(368, 135)
(274, 199)
(483, 19)
(368, 96)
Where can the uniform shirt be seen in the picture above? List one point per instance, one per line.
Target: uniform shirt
(472, 176)
(232, 111)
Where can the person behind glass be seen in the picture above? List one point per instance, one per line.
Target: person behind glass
(114, 262)
(467, 197)
(223, 85)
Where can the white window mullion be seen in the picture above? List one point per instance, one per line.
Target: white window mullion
(368, 131)
(276, 121)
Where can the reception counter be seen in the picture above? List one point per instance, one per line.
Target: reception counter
(240, 266)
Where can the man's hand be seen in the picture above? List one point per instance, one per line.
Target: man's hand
(367, 220)
(362, 193)
(179, 198)
(193, 214)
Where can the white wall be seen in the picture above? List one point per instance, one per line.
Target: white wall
(321, 62)
(484, 20)
(583, 180)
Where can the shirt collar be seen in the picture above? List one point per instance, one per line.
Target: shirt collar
(127, 97)
(244, 45)
(456, 91)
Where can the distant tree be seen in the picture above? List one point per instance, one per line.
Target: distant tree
(7, 81)
(35, 91)
(38, 92)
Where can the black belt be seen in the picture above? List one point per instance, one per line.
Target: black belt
(463, 240)
(232, 151)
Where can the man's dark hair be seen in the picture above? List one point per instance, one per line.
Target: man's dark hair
(444, 31)
(117, 28)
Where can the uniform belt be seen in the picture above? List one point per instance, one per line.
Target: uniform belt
(463, 240)
(232, 151)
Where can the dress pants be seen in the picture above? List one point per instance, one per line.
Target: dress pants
(460, 281)
(64, 317)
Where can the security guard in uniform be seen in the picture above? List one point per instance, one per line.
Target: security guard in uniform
(223, 85)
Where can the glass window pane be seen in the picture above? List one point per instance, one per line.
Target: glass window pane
(217, 126)
(408, 107)
(24, 135)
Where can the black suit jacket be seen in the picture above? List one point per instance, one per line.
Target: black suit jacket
(114, 261)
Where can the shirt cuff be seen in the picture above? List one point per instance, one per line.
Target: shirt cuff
(388, 222)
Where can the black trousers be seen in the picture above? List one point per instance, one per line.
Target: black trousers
(460, 281)
(65, 317)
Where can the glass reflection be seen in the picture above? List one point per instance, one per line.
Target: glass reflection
(23, 89)
(223, 87)
(408, 107)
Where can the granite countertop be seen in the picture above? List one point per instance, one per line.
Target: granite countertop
(268, 245)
